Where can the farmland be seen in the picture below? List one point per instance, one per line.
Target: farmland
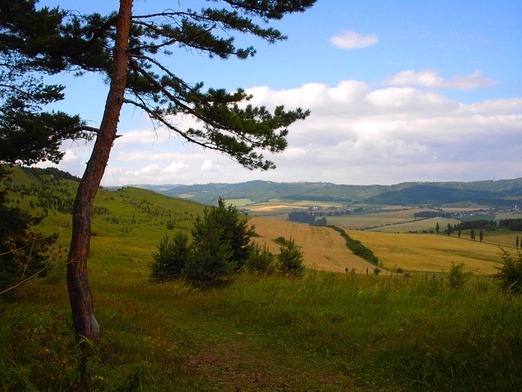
(323, 248)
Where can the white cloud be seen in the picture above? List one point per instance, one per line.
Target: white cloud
(175, 168)
(430, 78)
(208, 166)
(349, 39)
(356, 134)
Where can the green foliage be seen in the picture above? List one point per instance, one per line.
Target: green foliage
(170, 259)
(236, 230)
(260, 260)
(211, 263)
(456, 276)
(33, 42)
(511, 224)
(485, 224)
(509, 276)
(280, 240)
(319, 222)
(290, 259)
(220, 246)
(24, 251)
(301, 217)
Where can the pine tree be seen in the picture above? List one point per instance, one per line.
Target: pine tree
(220, 246)
(170, 259)
(126, 50)
(290, 258)
(211, 263)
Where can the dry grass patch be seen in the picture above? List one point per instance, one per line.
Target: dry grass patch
(379, 219)
(506, 240)
(429, 253)
(418, 226)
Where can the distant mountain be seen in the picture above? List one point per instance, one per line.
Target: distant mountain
(439, 195)
(498, 193)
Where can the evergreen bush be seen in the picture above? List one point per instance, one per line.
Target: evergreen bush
(290, 259)
(170, 259)
(260, 260)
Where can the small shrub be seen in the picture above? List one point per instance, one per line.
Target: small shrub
(280, 240)
(260, 259)
(170, 259)
(220, 246)
(457, 277)
(291, 259)
(211, 264)
(377, 271)
(509, 276)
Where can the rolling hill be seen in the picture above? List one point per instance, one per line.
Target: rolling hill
(128, 224)
(501, 193)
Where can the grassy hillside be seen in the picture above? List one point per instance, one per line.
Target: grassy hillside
(123, 218)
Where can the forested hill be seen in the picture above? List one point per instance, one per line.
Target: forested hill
(497, 193)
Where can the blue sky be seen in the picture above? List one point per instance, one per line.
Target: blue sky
(398, 90)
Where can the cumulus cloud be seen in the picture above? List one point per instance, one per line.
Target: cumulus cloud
(357, 133)
(394, 134)
(431, 79)
(349, 39)
(208, 166)
(175, 168)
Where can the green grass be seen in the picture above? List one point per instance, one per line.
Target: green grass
(322, 332)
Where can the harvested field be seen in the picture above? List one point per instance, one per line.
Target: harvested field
(323, 248)
(430, 253)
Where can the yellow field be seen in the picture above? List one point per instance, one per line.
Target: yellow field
(430, 253)
(379, 219)
(418, 225)
(323, 248)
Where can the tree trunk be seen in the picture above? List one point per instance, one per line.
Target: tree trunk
(82, 308)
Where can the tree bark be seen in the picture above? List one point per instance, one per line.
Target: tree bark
(84, 322)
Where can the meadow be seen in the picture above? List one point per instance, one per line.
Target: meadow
(327, 331)
(323, 332)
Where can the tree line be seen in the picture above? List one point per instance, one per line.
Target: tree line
(305, 217)
(357, 247)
